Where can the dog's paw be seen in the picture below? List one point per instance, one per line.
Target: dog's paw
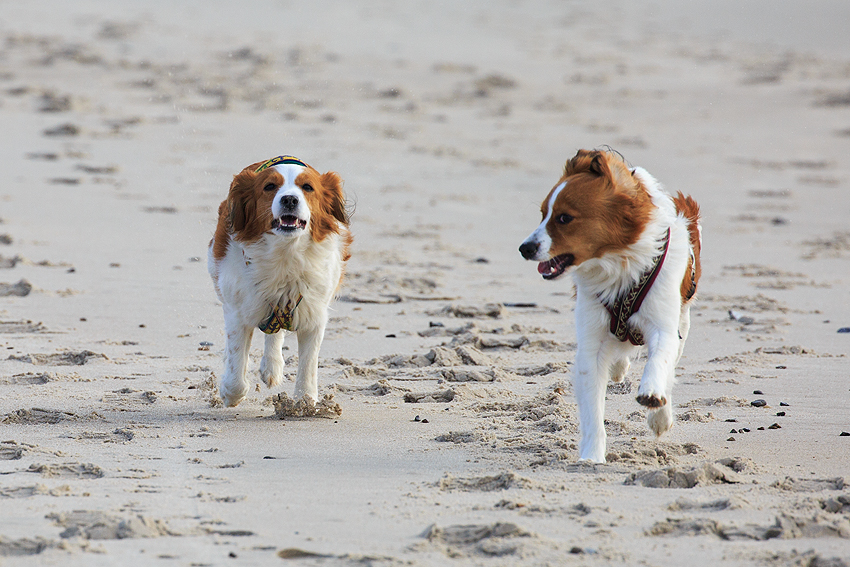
(591, 448)
(619, 370)
(232, 399)
(232, 391)
(271, 371)
(592, 460)
(661, 420)
(652, 401)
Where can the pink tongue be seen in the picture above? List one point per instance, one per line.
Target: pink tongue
(544, 267)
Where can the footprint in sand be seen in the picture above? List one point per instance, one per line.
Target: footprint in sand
(67, 358)
(67, 470)
(39, 416)
(95, 525)
(502, 481)
(23, 547)
(674, 477)
(784, 527)
(21, 327)
(491, 540)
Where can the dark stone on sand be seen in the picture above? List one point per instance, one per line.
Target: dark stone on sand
(780, 414)
(63, 130)
(758, 392)
(20, 289)
(844, 434)
(844, 330)
(774, 426)
(759, 403)
(783, 404)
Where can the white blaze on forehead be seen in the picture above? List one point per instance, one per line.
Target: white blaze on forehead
(290, 172)
(540, 236)
(551, 205)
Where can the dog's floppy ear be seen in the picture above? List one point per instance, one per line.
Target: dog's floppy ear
(590, 161)
(242, 207)
(599, 164)
(333, 184)
(333, 208)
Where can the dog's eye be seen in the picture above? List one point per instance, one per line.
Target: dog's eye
(307, 188)
(270, 187)
(564, 219)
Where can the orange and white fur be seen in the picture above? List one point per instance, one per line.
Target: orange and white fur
(282, 234)
(608, 222)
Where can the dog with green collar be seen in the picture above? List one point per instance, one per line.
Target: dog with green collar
(277, 260)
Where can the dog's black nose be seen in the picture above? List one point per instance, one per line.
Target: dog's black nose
(289, 202)
(528, 249)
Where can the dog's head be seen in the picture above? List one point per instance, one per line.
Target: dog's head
(598, 206)
(285, 197)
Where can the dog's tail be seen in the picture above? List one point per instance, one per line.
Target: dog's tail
(689, 210)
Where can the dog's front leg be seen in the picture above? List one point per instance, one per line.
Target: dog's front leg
(589, 383)
(656, 384)
(309, 343)
(234, 383)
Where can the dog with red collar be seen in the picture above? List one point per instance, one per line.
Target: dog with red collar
(277, 259)
(634, 252)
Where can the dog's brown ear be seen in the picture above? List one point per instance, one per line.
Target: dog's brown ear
(590, 161)
(332, 182)
(242, 208)
(599, 164)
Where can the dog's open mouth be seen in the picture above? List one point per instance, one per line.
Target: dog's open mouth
(288, 223)
(553, 268)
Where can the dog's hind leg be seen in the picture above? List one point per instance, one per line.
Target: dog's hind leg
(271, 366)
(619, 369)
(684, 328)
(660, 420)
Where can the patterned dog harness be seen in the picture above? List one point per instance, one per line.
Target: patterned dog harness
(626, 306)
(280, 318)
(278, 161)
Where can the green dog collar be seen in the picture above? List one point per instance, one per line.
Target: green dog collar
(278, 161)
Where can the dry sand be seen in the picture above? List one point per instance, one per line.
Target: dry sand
(122, 124)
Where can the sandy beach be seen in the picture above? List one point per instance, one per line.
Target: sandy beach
(450, 358)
